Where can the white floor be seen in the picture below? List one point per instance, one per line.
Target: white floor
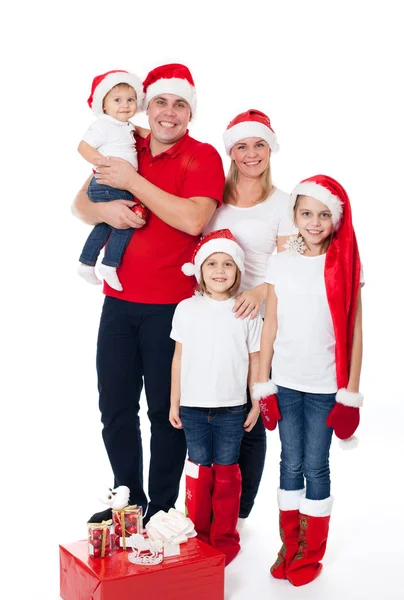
(365, 556)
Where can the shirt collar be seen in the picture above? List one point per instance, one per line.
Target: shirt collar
(115, 121)
(174, 151)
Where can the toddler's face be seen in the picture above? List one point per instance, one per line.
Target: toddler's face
(120, 102)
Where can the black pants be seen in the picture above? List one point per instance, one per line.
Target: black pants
(251, 461)
(134, 344)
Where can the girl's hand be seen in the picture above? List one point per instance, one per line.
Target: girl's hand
(174, 417)
(248, 303)
(252, 417)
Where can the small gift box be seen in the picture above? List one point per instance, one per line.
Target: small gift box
(127, 521)
(99, 539)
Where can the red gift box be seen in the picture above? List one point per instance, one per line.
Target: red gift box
(198, 573)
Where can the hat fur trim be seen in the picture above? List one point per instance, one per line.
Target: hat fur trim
(174, 85)
(111, 81)
(249, 129)
(322, 194)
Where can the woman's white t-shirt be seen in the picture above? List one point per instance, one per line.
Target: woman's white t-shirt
(255, 229)
(215, 349)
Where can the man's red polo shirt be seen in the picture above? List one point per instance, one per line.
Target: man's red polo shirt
(150, 271)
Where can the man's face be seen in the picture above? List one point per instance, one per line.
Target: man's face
(169, 116)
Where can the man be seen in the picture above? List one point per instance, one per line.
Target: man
(180, 181)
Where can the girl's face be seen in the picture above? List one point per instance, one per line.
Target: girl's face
(313, 219)
(120, 103)
(219, 272)
(251, 156)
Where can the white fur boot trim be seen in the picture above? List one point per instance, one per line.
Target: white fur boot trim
(350, 443)
(264, 389)
(354, 399)
(290, 499)
(316, 508)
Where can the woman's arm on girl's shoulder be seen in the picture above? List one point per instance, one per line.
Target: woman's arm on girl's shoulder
(268, 335)
(356, 356)
(174, 416)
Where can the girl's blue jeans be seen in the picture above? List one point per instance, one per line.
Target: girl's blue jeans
(306, 441)
(213, 435)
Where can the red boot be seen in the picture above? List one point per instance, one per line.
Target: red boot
(289, 524)
(226, 505)
(313, 534)
(198, 501)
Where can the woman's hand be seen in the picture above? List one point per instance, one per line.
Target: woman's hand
(248, 303)
(252, 416)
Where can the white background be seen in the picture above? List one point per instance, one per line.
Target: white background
(329, 74)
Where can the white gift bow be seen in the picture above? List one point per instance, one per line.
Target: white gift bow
(173, 527)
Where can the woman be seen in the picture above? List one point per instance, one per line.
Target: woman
(256, 212)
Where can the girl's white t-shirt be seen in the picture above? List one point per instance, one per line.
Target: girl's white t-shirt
(215, 349)
(304, 349)
(255, 229)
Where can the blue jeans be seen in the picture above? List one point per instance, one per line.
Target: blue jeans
(306, 441)
(213, 435)
(117, 239)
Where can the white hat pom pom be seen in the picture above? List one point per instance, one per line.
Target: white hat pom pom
(350, 443)
(188, 269)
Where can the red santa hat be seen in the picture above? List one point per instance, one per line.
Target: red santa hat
(342, 274)
(221, 240)
(102, 84)
(170, 79)
(252, 123)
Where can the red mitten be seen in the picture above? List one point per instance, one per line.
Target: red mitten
(265, 393)
(344, 416)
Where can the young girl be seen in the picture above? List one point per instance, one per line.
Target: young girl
(115, 97)
(312, 340)
(215, 355)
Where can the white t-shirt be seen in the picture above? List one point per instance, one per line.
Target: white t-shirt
(255, 229)
(113, 138)
(304, 349)
(215, 349)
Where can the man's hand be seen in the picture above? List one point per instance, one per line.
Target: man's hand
(118, 214)
(115, 172)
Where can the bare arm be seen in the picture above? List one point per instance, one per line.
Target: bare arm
(190, 215)
(280, 243)
(89, 153)
(268, 335)
(356, 356)
(174, 417)
(253, 366)
(116, 213)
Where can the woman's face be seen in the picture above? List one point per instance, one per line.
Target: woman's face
(251, 156)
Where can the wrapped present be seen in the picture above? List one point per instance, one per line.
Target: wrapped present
(197, 573)
(127, 521)
(99, 539)
(173, 527)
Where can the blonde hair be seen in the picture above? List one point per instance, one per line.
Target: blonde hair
(232, 291)
(326, 244)
(230, 186)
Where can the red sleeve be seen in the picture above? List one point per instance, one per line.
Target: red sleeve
(204, 175)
